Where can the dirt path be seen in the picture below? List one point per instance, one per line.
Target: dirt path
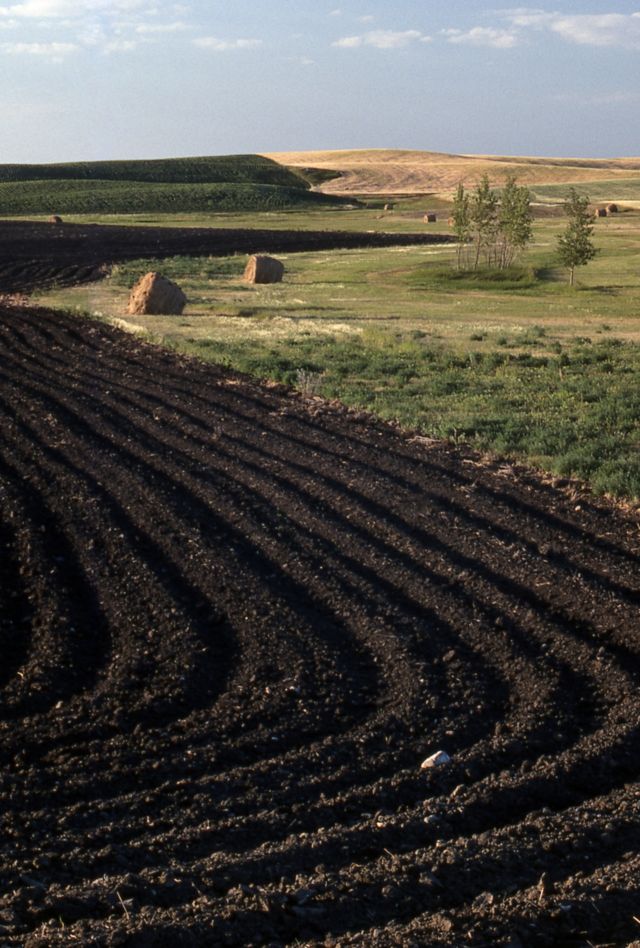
(235, 622)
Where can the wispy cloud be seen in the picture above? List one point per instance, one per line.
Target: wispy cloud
(47, 9)
(223, 46)
(586, 29)
(382, 39)
(518, 25)
(154, 28)
(484, 36)
(55, 52)
(106, 25)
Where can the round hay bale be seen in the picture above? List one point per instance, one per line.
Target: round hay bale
(612, 208)
(601, 212)
(155, 295)
(263, 269)
(54, 219)
(430, 218)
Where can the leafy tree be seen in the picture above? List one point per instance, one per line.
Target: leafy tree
(484, 220)
(575, 247)
(497, 230)
(514, 222)
(461, 221)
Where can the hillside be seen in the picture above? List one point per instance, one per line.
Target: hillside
(386, 171)
(126, 197)
(236, 169)
(227, 183)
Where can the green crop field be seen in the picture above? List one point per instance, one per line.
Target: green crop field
(188, 185)
(520, 365)
(127, 197)
(229, 169)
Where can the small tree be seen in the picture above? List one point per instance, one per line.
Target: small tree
(461, 221)
(575, 246)
(484, 220)
(514, 222)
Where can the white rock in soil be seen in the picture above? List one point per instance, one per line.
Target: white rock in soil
(439, 759)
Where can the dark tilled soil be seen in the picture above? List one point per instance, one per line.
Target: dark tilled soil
(234, 622)
(36, 255)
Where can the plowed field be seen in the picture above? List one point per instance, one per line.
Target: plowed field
(235, 621)
(35, 255)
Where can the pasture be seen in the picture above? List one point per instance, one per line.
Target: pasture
(522, 366)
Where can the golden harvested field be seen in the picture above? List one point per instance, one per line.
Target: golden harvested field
(389, 171)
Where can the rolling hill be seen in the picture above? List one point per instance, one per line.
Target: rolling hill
(387, 171)
(227, 183)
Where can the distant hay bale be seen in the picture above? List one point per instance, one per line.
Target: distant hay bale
(154, 295)
(263, 269)
(54, 219)
(451, 222)
(601, 212)
(430, 218)
(389, 207)
(612, 208)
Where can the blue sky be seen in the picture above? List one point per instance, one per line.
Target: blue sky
(89, 79)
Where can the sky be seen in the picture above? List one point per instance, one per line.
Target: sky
(104, 79)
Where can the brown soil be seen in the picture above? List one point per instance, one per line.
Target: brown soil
(235, 621)
(36, 255)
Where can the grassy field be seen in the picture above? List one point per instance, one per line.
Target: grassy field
(228, 169)
(406, 218)
(96, 198)
(523, 366)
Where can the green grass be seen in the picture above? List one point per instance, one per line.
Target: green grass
(518, 364)
(123, 197)
(230, 183)
(615, 189)
(575, 413)
(512, 278)
(228, 169)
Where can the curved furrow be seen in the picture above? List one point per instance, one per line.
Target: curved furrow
(331, 602)
(326, 560)
(165, 451)
(107, 561)
(471, 519)
(332, 483)
(69, 639)
(16, 595)
(293, 593)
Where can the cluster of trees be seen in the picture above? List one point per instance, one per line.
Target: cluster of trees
(491, 229)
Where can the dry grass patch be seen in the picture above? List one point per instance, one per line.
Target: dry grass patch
(386, 171)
